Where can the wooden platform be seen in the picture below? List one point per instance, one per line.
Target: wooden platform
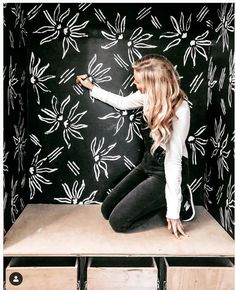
(80, 230)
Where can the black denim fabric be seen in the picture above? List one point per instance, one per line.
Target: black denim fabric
(142, 192)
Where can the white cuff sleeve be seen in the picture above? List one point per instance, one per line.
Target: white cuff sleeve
(132, 101)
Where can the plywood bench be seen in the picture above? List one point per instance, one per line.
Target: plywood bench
(44, 230)
(80, 230)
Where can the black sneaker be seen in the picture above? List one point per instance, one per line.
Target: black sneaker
(187, 212)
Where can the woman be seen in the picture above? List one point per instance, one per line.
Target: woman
(160, 180)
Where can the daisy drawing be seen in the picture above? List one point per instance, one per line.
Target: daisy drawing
(37, 77)
(97, 72)
(119, 115)
(181, 31)
(231, 86)
(20, 143)
(5, 155)
(36, 171)
(197, 46)
(11, 93)
(122, 116)
(136, 42)
(100, 156)
(70, 124)
(57, 26)
(74, 194)
(197, 144)
(227, 214)
(219, 148)
(134, 125)
(23, 32)
(14, 198)
(211, 81)
(207, 187)
(116, 32)
(226, 19)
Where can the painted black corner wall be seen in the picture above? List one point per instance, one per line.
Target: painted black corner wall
(79, 148)
(16, 192)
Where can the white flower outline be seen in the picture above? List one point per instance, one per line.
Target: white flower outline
(74, 194)
(136, 41)
(96, 72)
(231, 86)
(36, 76)
(69, 31)
(196, 144)
(20, 143)
(224, 26)
(116, 33)
(100, 156)
(207, 188)
(36, 170)
(70, 123)
(219, 147)
(14, 198)
(181, 31)
(196, 45)
(211, 82)
(11, 93)
(227, 215)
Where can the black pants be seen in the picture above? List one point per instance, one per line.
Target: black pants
(140, 194)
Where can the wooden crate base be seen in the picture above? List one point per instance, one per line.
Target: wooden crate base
(122, 273)
(42, 273)
(199, 273)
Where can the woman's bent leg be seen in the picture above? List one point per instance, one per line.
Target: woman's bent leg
(147, 197)
(127, 184)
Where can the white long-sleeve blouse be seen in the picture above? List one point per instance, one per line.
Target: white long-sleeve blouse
(174, 151)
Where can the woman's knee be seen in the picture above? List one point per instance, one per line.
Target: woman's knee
(117, 224)
(105, 211)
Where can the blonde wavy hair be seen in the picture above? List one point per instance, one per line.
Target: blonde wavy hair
(161, 86)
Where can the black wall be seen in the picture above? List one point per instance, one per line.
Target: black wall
(78, 148)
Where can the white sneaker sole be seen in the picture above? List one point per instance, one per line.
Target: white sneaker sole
(192, 205)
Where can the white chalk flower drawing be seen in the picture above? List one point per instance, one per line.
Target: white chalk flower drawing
(120, 115)
(211, 81)
(134, 124)
(11, 93)
(14, 198)
(181, 31)
(57, 26)
(207, 188)
(219, 148)
(116, 32)
(5, 155)
(227, 214)
(231, 86)
(97, 72)
(100, 156)
(197, 46)
(197, 144)
(133, 117)
(74, 194)
(36, 171)
(70, 123)
(226, 19)
(37, 77)
(20, 143)
(136, 41)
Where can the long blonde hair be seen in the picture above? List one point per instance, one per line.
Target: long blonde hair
(163, 95)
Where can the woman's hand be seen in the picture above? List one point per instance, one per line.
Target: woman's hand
(176, 227)
(84, 81)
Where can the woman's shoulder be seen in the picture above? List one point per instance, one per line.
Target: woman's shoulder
(183, 109)
(184, 106)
